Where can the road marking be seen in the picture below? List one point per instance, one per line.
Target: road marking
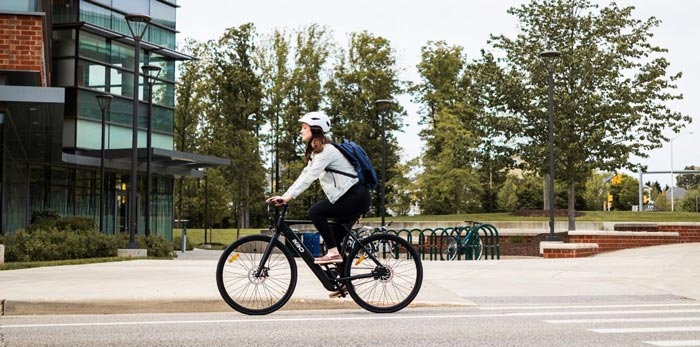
(623, 320)
(358, 318)
(671, 343)
(645, 330)
(582, 306)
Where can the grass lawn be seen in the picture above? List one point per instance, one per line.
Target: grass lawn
(589, 216)
(223, 237)
(219, 237)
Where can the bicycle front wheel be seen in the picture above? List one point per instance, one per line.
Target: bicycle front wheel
(247, 286)
(390, 285)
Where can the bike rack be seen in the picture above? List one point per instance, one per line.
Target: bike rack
(428, 245)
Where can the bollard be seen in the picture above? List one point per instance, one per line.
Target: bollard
(184, 239)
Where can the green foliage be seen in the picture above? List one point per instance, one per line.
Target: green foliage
(529, 192)
(625, 194)
(53, 244)
(364, 73)
(403, 189)
(690, 202)
(507, 195)
(689, 181)
(595, 191)
(611, 87)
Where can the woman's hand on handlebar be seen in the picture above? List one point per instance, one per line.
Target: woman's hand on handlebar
(277, 200)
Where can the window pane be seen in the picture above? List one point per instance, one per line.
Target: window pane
(163, 14)
(122, 55)
(18, 5)
(162, 119)
(131, 6)
(164, 93)
(92, 75)
(167, 66)
(121, 112)
(93, 46)
(89, 133)
(161, 36)
(94, 14)
(121, 83)
(88, 108)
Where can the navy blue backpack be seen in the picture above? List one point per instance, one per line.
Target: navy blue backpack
(359, 159)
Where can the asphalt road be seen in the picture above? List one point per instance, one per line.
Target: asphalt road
(580, 321)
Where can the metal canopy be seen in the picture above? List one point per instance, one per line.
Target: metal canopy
(163, 161)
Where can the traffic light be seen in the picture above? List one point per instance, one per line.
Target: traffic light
(617, 179)
(645, 199)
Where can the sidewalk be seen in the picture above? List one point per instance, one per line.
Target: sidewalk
(188, 283)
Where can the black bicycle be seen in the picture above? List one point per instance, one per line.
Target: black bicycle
(257, 274)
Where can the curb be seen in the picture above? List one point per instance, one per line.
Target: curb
(26, 308)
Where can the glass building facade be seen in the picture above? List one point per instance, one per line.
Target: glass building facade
(91, 53)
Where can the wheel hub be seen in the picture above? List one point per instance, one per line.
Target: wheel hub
(253, 278)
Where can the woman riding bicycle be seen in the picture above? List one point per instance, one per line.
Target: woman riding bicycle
(345, 196)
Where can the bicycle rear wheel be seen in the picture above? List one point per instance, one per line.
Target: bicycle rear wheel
(448, 248)
(390, 285)
(248, 290)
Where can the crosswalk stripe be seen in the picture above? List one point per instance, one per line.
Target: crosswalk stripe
(671, 343)
(645, 330)
(582, 306)
(624, 320)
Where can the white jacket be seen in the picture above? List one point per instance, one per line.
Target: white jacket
(333, 184)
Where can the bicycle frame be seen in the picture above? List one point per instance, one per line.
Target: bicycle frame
(282, 228)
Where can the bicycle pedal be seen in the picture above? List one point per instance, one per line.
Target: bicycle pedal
(341, 293)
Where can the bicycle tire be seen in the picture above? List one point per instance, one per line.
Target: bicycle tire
(448, 248)
(252, 295)
(394, 284)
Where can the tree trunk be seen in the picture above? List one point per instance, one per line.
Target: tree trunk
(572, 206)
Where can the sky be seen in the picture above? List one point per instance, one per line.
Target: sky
(410, 24)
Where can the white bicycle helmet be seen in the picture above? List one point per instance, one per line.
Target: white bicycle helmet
(318, 119)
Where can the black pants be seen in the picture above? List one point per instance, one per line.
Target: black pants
(353, 203)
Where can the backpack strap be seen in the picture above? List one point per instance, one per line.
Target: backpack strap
(341, 172)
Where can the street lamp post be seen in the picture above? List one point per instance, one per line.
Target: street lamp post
(548, 58)
(150, 72)
(104, 100)
(383, 197)
(138, 24)
(672, 179)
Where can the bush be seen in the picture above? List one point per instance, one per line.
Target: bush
(177, 243)
(54, 244)
(52, 238)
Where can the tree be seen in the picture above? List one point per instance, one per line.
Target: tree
(611, 88)
(191, 96)
(364, 73)
(234, 119)
(507, 195)
(691, 201)
(403, 188)
(595, 191)
(449, 185)
(273, 61)
(688, 181)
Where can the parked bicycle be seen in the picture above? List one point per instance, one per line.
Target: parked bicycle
(258, 274)
(469, 246)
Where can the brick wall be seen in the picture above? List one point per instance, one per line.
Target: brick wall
(608, 243)
(688, 233)
(22, 44)
(568, 253)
